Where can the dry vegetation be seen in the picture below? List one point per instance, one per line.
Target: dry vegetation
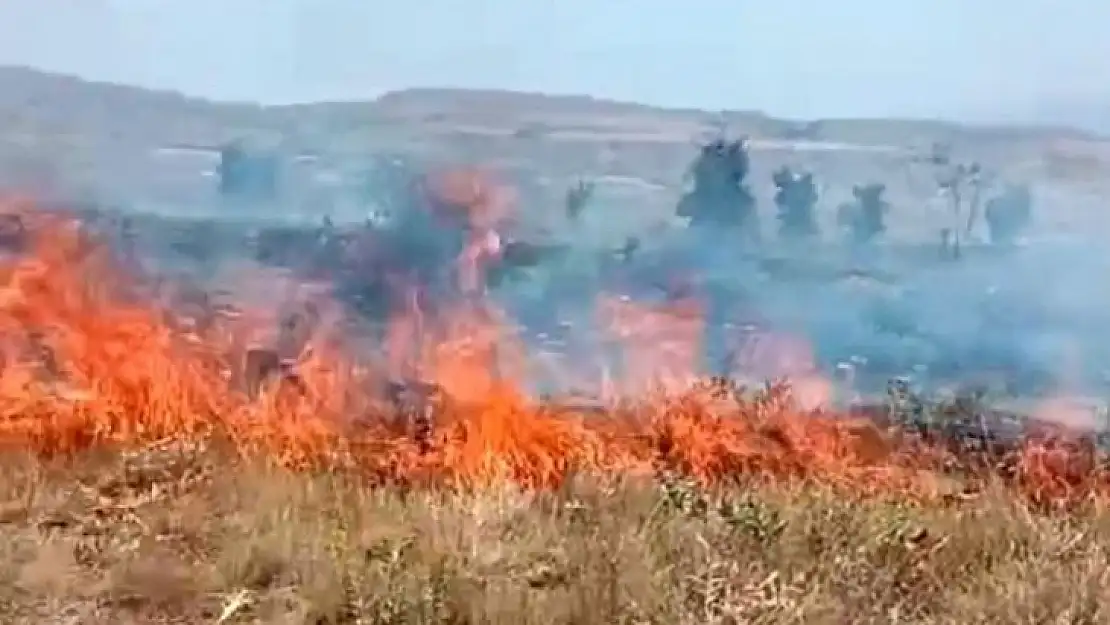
(176, 534)
(137, 486)
(141, 486)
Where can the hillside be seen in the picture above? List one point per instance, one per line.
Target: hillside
(67, 135)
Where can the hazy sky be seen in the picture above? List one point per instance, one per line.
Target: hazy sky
(801, 58)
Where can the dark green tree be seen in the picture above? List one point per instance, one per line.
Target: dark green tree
(719, 197)
(864, 218)
(796, 199)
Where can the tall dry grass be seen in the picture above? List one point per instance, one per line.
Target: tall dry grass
(189, 535)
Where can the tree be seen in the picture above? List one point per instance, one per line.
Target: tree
(975, 181)
(796, 199)
(246, 175)
(961, 183)
(864, 217)
(577, 198)
(1009, 215)
(719, 197)
(232, 156)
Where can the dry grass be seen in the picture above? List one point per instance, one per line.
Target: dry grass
(187, 535)
(187, 530)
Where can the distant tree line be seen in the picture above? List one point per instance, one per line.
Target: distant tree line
(720, 199)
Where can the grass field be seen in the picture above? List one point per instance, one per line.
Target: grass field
(186, 534)
(140, 484)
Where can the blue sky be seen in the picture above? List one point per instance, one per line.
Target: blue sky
(798, 58)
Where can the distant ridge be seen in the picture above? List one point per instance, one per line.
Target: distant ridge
(25, 86)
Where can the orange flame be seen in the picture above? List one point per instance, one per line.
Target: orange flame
(86, 359)
(660, 343)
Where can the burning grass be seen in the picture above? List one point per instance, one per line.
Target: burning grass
(148, 483)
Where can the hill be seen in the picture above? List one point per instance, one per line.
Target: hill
(65, 134)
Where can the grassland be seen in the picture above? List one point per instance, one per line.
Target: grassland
(189, 534)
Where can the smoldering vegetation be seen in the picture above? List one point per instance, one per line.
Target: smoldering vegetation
(988, 307)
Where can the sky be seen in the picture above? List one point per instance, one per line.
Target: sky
(961, 59)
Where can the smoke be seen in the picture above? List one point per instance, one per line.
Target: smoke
(1024, 321)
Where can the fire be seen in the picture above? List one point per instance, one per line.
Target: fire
(660, 343)
(773, 355)
(470, 196)
(88, 358)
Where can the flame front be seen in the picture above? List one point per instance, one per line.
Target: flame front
(87, 359)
